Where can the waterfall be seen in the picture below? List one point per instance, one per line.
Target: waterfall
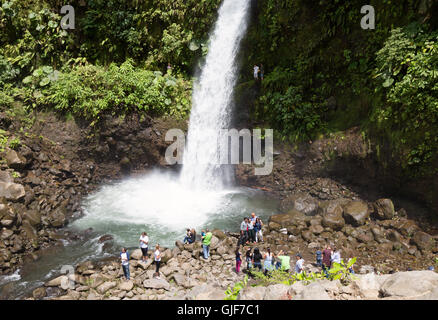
(163, 203)
(211, 106)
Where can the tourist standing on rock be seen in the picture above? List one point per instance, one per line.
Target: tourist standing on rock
(206, 240)
(248, 257)
(258, 230)
(244, 231)
(299, 265)
(269, 259)
(262, 72)
(326, 260)
(124, 256)
(336, 256)
(238, 259)
(319, 258)
(251, 233)
(144, 240)
(157, 259)
(257, 259)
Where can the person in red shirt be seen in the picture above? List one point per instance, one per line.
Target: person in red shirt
(326, 259)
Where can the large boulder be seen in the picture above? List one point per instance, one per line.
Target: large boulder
(156, 284)
(368, 285)
(12, 191)
(313, 291)
(126, 285)
(384, 209)
(301, 202)
(332, 215)
(423, 240)
(293, 217)
(34, 217)
(252, 293)
(57, 218)
(356, 213)
(104, 287)
(15, 160)
(409, 284)
(276, 292)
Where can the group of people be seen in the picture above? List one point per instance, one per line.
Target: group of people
(251, 230)
(271, 262)
(325, 259)
(259, 72)
(144, 246)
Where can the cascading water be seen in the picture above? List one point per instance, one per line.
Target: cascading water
(212, 99)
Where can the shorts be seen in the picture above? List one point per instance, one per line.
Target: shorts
(144, 251)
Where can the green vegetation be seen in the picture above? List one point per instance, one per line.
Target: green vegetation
(89, 91)
(323, 73)
(233, 293)
(339, 271)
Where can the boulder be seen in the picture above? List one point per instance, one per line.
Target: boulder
(57, 281)
(219, 234)
(34, 217)
(368, 285)
(252, 293)
(126, 285)
(136, 254)
(301, 202)
(15, 160)
(313, 291)
(179, 244)
(332, 216)
(384, 209)
(423, 240)
(156, 284)
(291, 218)
(409, 284)
(356, 213)
(276, 292)
(57, 218)
(39, 293)
(104, 287)
(12, 191)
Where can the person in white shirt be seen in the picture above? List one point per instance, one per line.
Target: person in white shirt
(256, 72)
(144, 240)
(124, 257)
(336, 256)
(299, 264)
(157, 258)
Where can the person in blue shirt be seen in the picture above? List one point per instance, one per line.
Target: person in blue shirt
(319, 258)
(124, 257)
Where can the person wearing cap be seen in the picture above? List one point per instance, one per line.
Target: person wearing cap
(299, 265)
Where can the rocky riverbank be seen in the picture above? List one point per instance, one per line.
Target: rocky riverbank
(185, 275)
(53, 164)
(383, 240)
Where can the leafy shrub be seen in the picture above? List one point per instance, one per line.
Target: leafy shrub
(287, 112)
(232, 293)
(90, 91)
(407, 69)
